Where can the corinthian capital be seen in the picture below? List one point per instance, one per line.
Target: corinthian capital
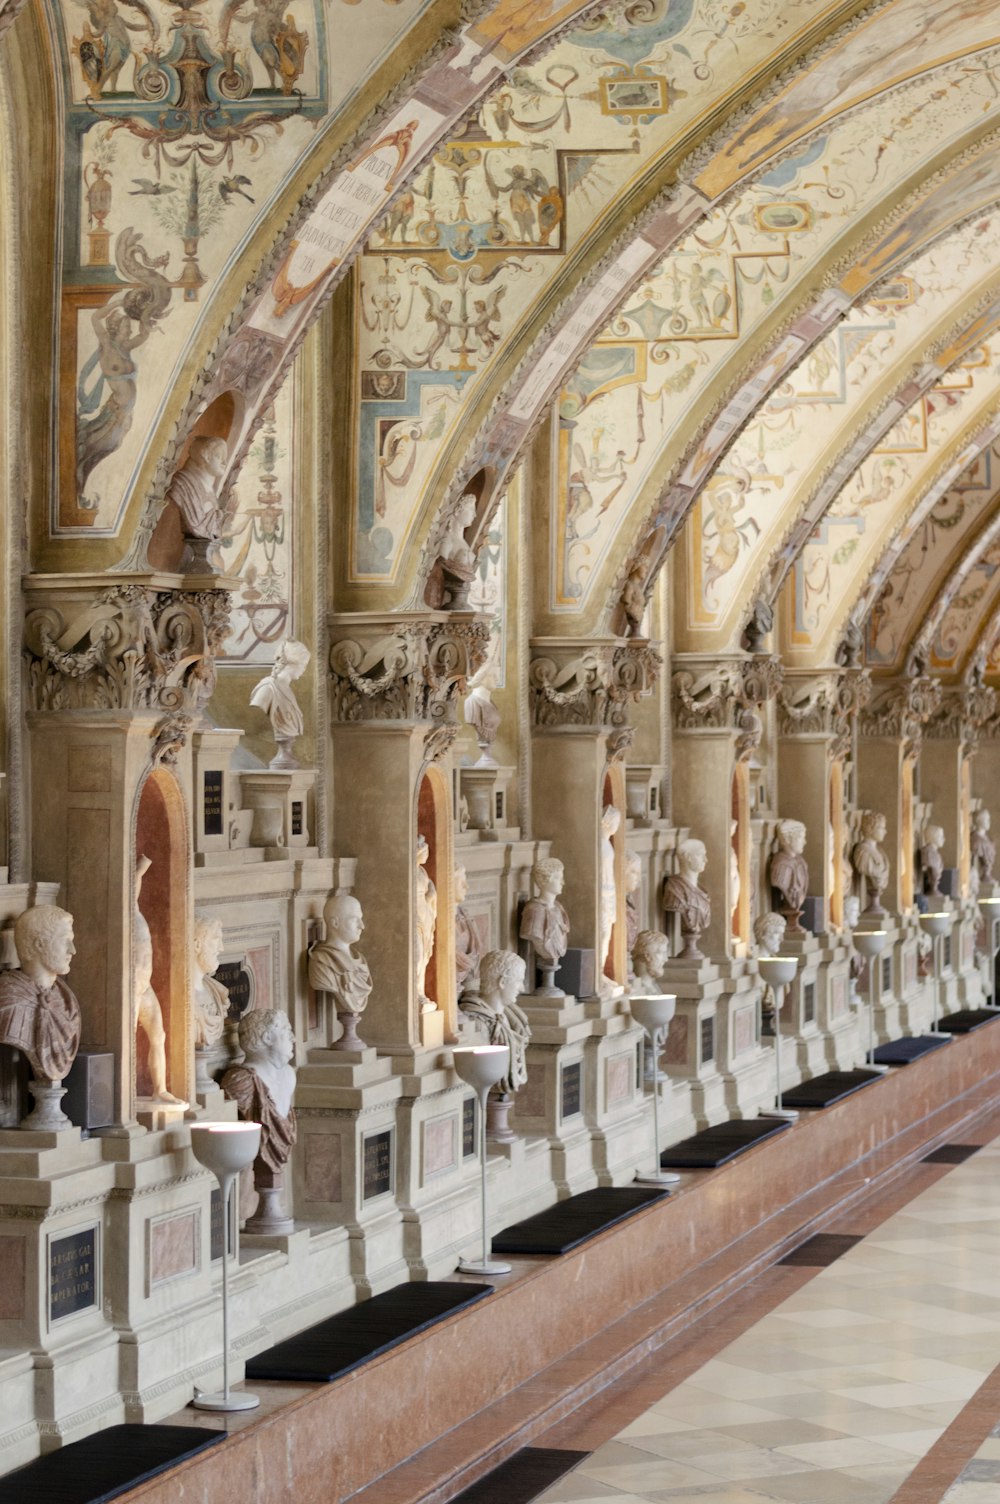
(408, 667)
(588, 682)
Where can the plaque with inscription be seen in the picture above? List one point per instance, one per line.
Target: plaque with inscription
(809, 1003)
(469, 1128)
(377, 1164)
(297, 826)
(571, 1082)
(211, 809)
(707, 1040)
(215, 1228)
(238, 982)
(72, 1273)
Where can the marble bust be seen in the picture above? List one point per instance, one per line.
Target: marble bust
(545, 923)
(337, 970)
(276, 698)
(262, 1088)
(870, 861)
(982, 848)
(194, 490)
(468, 952)
(611, 819)
(426, 925)
(789, 871)
(39, 1013)
(931, 861)
(482, 715)
(650, 954)
(495, 1009)
(633, 887)
(856, 965)
(682, 896)
(454, 548)
(769, 932)
(210, 998)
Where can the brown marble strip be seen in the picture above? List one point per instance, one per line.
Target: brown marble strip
(939, 1468)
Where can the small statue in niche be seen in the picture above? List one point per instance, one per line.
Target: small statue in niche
(650, 955)
(468, 953)
(494, 1007)
(482, 715)
(735, 878)
(633, 600)
(337, 970)
(274, 695)
(39, 1013)
(611, 819)
(455, 549)
(682, 896)
(982, 848)
(856, 965)
(211, 998)
(769, 932)
(194, 490)
(931, 861)
(427, 907)
(789, 871)
(870, 861)
(545, 923)
(633, 890)
(262, 1088)
(149, 1014)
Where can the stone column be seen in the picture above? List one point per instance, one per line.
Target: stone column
(116, 678)
(950, 740)
(580, 693)
(395, 686)
(891, 731)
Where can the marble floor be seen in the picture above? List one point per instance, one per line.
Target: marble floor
(874, 1378)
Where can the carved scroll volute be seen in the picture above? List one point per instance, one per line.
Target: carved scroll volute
(404, 670)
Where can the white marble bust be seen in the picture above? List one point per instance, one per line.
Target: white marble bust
(545, 922)
(276, 698)
(39, 1013)
(195, 488)
(682, 896)
(982, 847)
(650, 954)
(211, 998)
(789, 871)
(931, 860)
(870, 861)
(338, 970)
(454, 547)
(495, 1007)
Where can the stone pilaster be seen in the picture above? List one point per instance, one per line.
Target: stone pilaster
(891, 730)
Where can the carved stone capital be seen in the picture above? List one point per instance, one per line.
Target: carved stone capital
(901, 709)
(588, 681)
(711, 693)
(138, 645)
(406, 667)
(962, 714)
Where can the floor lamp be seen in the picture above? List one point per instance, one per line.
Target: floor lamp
(481, 1066)
(654, 1013)
(871, 944)
(225, 1149)
(989, 906)
(777, 972)
(936, 925)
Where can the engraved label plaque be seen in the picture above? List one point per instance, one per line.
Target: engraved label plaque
(469, 1128)
(297, 825)
(72, 1273)
(238, 982)
(707, 1040)
(377, 1164)
(571, 1082)
(212, 812)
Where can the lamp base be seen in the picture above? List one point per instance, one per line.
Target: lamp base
(481, 1266)
(786, 1114)
(237, 1400)
(873, 1065)
(656, 1177)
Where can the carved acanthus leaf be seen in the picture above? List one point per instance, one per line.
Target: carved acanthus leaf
(574, 683)
(410, 669)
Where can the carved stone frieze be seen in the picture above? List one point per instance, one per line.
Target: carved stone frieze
(714, 693)
(588, 682)
(404, 668)
(131, 647)
(962, 714)
(901, 709)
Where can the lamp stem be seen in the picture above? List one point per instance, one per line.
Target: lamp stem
(226, 1188)
(482, 1163)
(778, 992)
(654, 1040)
(936, 982)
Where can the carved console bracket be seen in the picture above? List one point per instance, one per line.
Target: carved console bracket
(824, 704)
(720, 694)
(963, 714)
(408, 667)
(139, 645)
(588, 681)
(901, 709)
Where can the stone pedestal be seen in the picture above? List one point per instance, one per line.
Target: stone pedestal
(617, 1112)
(693, 1045)
(214, 791)
(282, 811)
(801, 1017)
(553, 1103)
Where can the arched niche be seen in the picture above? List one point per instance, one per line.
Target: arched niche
(481, 486)
(220, 420)
(435, 824)
(835, 795)
(904, 855)
(161, 834)
(616, 966)
(740, 840)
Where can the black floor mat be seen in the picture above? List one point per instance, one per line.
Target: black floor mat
(333, 1347)
(522, 1477)
(902, 1051)
(823, 1091)
(951, 1154)
(106, 1465)
(714, 1146)
(967, 1019)
(573, 1221)
(823, 1249)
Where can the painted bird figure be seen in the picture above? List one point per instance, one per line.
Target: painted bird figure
(147, 186)
(237, 184)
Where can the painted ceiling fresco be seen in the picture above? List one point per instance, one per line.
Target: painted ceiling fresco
(633, 397)
(486, 228)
